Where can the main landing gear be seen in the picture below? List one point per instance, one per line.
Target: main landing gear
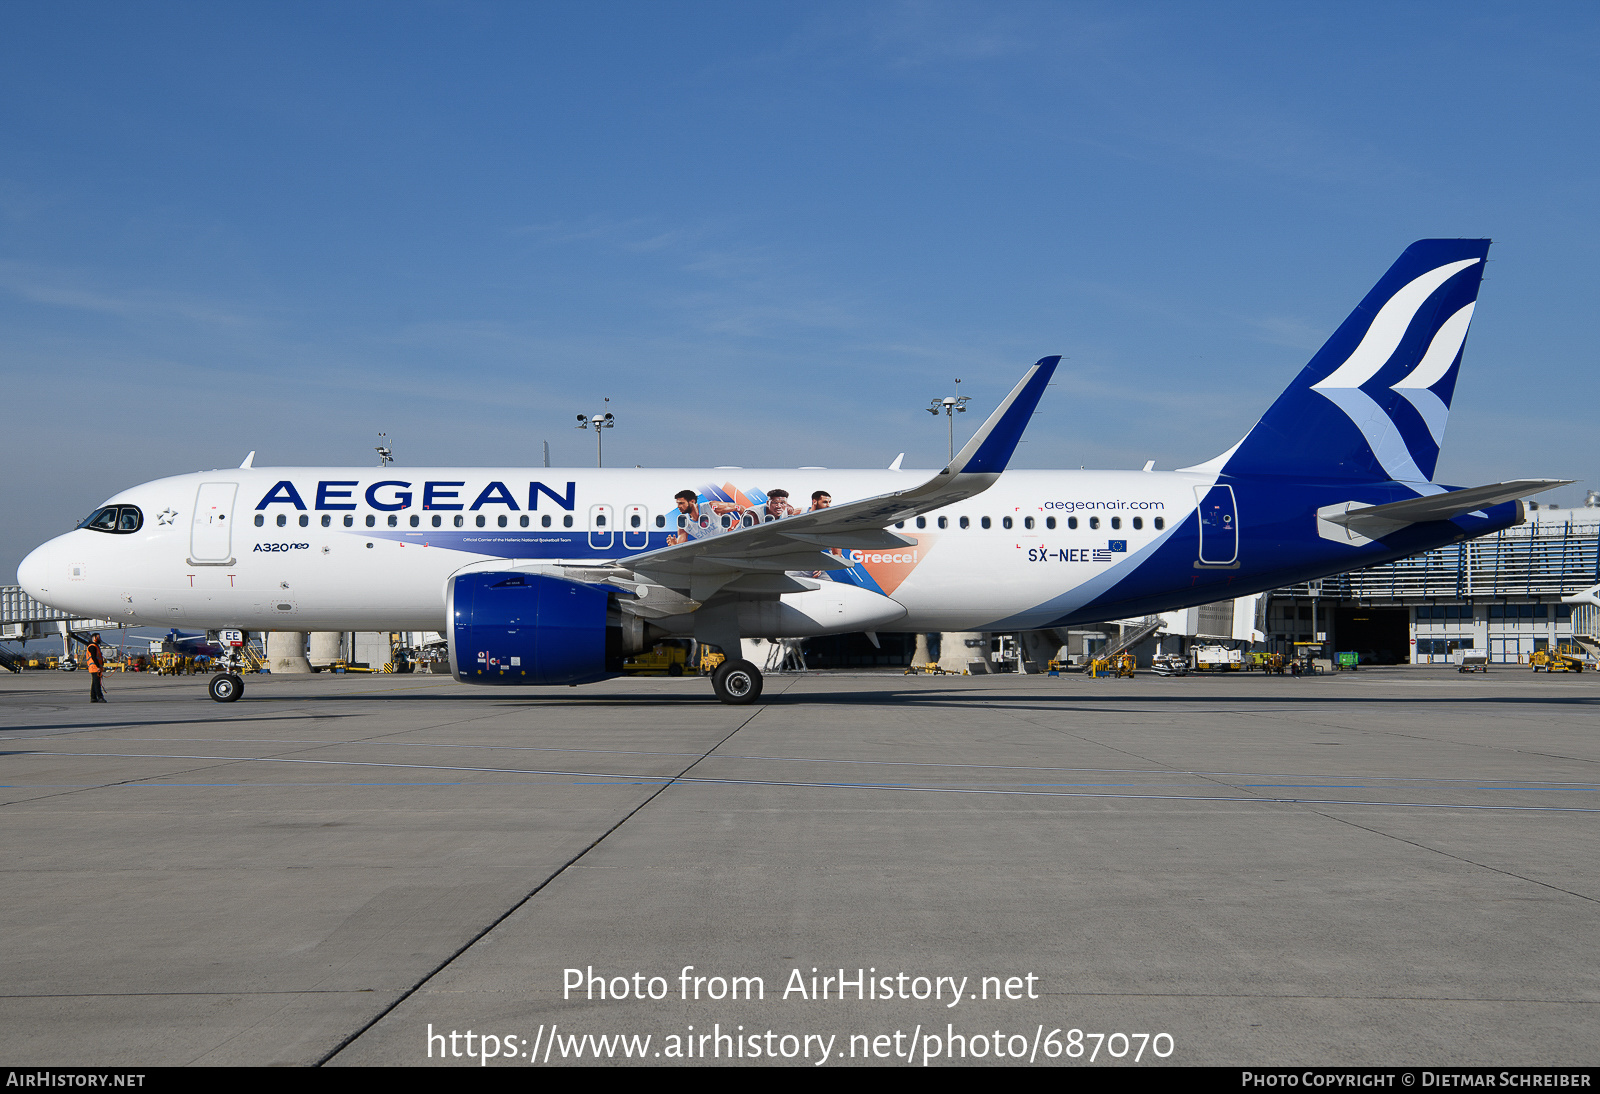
(737, 682)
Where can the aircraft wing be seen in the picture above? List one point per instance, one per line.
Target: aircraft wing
(703, 566)
(1375, 521)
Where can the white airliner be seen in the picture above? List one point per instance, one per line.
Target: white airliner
(554, 577)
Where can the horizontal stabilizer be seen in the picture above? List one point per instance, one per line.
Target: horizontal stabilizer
(1363, 523)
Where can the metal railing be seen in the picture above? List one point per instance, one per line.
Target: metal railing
(1529, 561)
(1132, 637)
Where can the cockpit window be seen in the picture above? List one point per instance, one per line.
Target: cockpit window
(115, 519)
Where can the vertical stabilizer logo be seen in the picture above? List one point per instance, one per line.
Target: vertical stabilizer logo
(1342, 386)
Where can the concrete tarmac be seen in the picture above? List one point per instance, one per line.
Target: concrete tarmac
(1397, 866)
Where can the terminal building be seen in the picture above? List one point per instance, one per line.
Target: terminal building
(1500, 594)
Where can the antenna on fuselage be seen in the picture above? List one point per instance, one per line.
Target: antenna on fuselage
(385, 453)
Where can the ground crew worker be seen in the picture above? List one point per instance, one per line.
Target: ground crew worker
(97, 666)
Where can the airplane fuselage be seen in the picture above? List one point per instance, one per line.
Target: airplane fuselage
(312, 549)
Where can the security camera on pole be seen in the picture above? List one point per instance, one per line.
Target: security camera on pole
(600, 422)
(951, 405)
(953, 653)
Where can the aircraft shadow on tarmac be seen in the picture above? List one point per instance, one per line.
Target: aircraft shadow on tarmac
(947, 699)
(916, 699)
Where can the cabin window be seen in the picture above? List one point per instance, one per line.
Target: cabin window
(566, 521)
(1116, 522)
(460, 520)
(349, 520)
(922, 522)
(1160, 524)
(636, 521)
(437, 520)
(1072, 522)
(1005, 522)
(283, 521)
(501, 522)
(479, 521)
(305, 520)
(523, 520)
(1138, 523)
(394, 521)
(899, 524)
(544, 521)
(600, 520)
(1027, 522)
(372, 520)
(965, 523)
(1094, 522)
(984, 522)
(1050, 522)
(327, 521)
(944, 522)
(415, 520)
(260, 520)
(661, 521)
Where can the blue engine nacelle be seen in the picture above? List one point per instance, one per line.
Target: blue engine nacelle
(529, 629)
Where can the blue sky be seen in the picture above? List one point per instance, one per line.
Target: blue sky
(769, 232)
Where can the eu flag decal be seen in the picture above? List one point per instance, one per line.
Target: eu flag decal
(1118, 545)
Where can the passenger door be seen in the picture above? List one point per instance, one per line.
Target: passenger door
(1219, 525)
(210, 532)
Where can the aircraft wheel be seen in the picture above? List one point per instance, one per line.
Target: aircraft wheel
(737, 682)
(674, 669)
(226, 687)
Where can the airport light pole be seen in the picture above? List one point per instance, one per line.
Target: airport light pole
(951, 405)
(601, 422)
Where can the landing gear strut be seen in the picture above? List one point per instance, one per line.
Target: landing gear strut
(737, 682)
(227, 685)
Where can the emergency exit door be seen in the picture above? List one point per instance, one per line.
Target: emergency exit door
(636, 528)
(601, 528)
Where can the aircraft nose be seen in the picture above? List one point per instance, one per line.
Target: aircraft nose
(34, 572)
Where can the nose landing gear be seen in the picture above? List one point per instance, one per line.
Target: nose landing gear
(226, 687)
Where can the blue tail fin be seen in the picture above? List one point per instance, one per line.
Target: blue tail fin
(1373, 402)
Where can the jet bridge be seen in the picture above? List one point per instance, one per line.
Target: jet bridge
(23, 618)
